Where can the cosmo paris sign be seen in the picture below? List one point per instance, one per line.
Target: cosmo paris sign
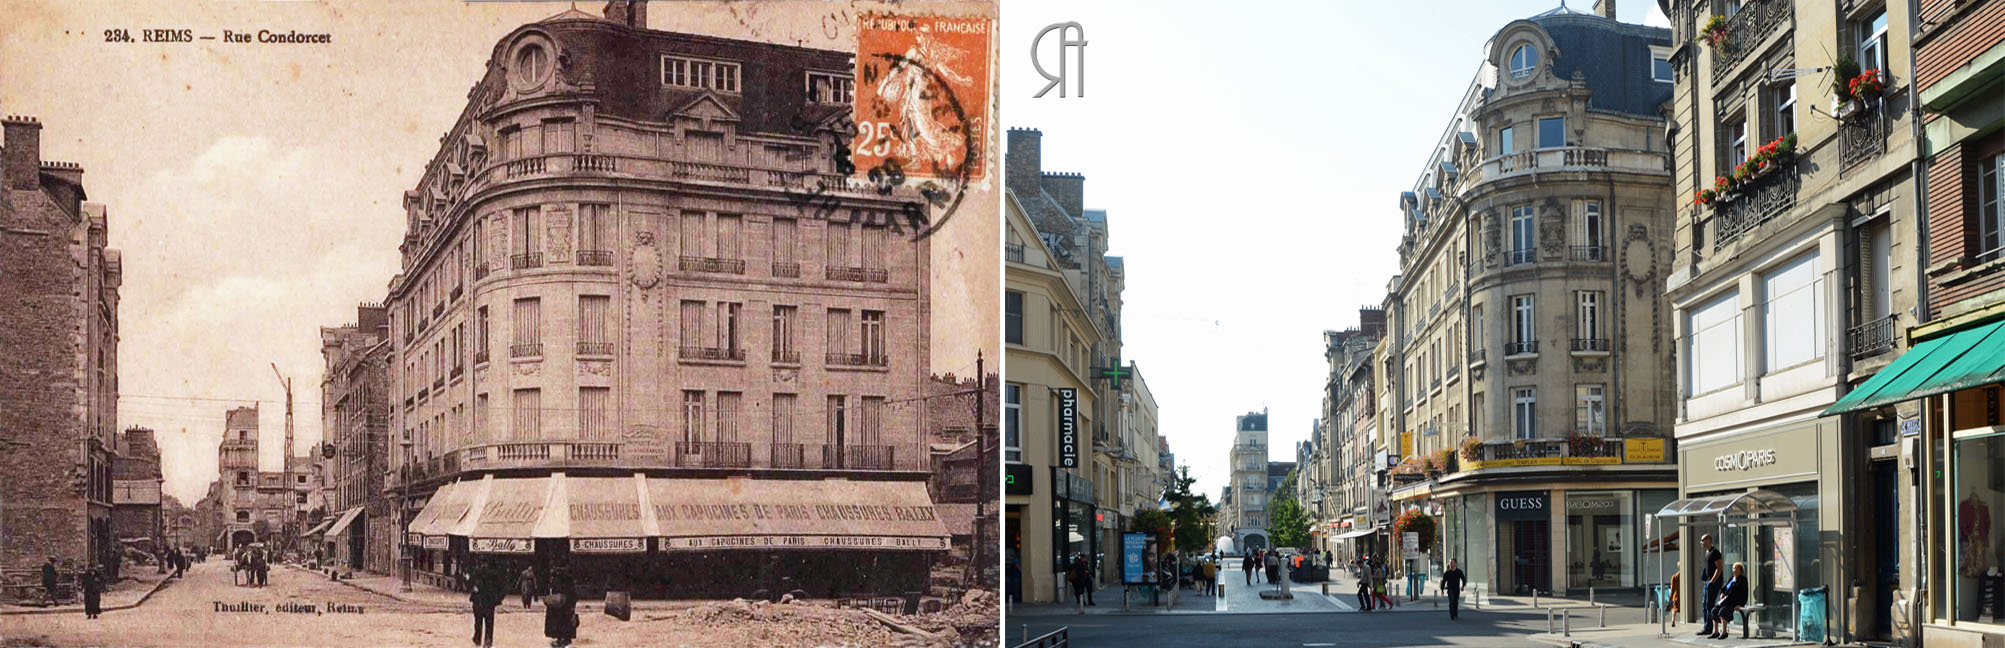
(1744, 460)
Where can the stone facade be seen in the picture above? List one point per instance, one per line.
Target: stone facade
(60, 373)
(256, 505)
(355, 413)
(135, 481)
(1247, 497)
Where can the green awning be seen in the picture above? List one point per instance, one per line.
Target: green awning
(1969, 358)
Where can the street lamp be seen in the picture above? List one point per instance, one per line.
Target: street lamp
(403, 506)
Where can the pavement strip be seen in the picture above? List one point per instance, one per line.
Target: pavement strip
(1219, 605)
(1340, 603)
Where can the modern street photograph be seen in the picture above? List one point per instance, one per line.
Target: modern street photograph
(362, 328)
(1615, 323)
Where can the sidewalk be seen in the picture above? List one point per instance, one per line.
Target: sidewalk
(140, 584)
(434, 597)
(1644, 635)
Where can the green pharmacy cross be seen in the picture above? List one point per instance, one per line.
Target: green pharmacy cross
(1113, 375)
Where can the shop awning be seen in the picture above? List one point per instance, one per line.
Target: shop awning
(712, 514)
(1358, 533)
(341, 524)
(601, 514)
(318, 528)
(507, 521)
(430, 513)
(1969, 358)
(1744, 504)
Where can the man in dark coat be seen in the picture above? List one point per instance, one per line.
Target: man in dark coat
(488, 589)
(560, 619)
(1246, 565)
(1452, 581)
(49, 581)
(93, 586)
(526, 584)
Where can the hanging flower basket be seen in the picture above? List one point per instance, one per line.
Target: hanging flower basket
(1714, 33)
(1472, 449)
(1441, 461)
(1767, 157)
(1417, 521)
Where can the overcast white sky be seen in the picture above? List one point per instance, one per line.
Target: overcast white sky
(255, 189)
(1249, 156)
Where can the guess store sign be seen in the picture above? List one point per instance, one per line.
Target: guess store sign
(1524, 505)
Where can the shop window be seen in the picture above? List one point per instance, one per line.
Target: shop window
(1794, 314)
(1012, 419)
(1601, 528)
(1979, 509)
(1715, 358)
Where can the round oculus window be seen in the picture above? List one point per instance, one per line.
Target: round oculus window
(532, 62)
(1524, 59)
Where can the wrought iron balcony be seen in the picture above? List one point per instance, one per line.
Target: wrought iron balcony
(713, 454)
(787, 269)
(1590, 253)
(789, 455)
(1862, 135)
(710, 353)
(1755, 202)
(859, 457)
(786, 357)
(1516, 257)
(1013, 252)
(1521, 348)
(707, 264)
(1747, 29)
(480, 357)
(529, 260)
(856, 359)
(1872, 338)
(595, 348)
(1597, 345)
(866, 275)
(595, 257)
(526, 350)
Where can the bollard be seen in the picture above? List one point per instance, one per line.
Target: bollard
(1604, 616)
(1566, 622)
(1549, 621)
(1535, 597)
(1590, 595)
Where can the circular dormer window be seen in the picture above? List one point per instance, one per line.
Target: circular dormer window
(532, 63)
(1524, 59)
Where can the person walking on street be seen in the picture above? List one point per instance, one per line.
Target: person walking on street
(1273, 560)
(1364, 589)
(1452, 581)
(49, 581)
(560, 617)
(1380, 574)
(488, 591)
(1211, 577)
(526, 584)
(93, 587)
(1246, 565)
(1081, 578)
(1732, 597)
(1710, 573)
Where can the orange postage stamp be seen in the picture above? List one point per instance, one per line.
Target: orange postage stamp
(922, 95)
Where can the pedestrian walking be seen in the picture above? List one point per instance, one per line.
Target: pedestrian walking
(49, 581)
(490, 588)
(1732, 597)
(259, 568)
(1364, 595)
(1081, 578)
(1452, 581)
(1246, 565)
(526, 584)
(1210, 567)
(1380, 574)
(1710, 574)
(93, 587)
(560, 616)
(1273, 567)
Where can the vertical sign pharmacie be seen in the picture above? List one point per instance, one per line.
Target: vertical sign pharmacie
(1068, 427)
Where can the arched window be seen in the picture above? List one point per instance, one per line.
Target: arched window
(1524, 59)
(530, 63)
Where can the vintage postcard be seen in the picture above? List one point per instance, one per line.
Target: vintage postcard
(418, 323)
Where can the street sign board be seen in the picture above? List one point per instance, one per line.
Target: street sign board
(1133, 547)
(1068, 427)
(1410, 542)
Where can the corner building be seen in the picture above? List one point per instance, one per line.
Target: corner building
(633, 338)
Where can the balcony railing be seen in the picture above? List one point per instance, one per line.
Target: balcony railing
(438, 310)
(456, 292)
(1752, 204)
(458, 370)
(787, 269)
(526, 166)
(480, 357)
(856, 359)
(595, 348)
(526, 350)
(595, 163)
(1589, 253)
(439, 383)
(529, 260)
(1564, 158)
(866, 275)
(1013, 252)
(1581, 450)
(1516, 257)
(707, 264)
(713, 454)
(1477, 356)
(1862, 135)
(595, 257)
(709, 172)
(1521, 348)
(859, 457)
(710, 353)
(1747, 29)
(541, 453)
(1872, 338)
(1596, 345)
(786, 357)
(789, 455)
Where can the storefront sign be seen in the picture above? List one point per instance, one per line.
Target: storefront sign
(1783, 553)
(435, 542)
(504, 545)
(608, 545)
(1524, 505)
(1744, 460)
(1068, 427)
(1133, 546)
(1591, 505)
(1017, 478)
(897, 543)
(414, 538)
(1643, 450)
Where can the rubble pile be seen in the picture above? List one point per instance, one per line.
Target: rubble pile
(758, 623)
(970, 622)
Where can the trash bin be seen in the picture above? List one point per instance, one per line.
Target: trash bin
(1810, 614)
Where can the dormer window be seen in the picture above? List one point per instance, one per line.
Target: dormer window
(831, 88)
(1524, 59)
(531, 62)
(698, 73)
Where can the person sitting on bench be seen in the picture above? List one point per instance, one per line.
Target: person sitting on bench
(1731, 600)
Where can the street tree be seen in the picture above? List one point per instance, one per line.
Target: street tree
(1287, 521)
(1190, 513)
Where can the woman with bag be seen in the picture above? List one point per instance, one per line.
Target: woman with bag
(560, 617)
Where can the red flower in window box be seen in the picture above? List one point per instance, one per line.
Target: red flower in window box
(1868, 83)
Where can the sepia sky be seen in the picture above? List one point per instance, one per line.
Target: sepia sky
(1250, 157)
(255, 189)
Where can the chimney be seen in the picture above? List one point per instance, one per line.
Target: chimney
(637, 14)
(1605, 8)
(21, 157)
(1023, 160)
(1069, 190)
(616, 11)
